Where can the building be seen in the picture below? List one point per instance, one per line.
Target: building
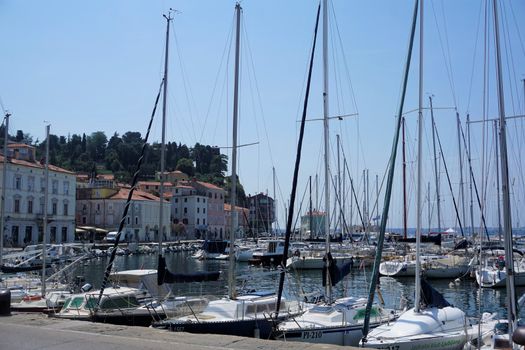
(104, 206)
(172, 176)
(24, 193)
(154, 187)
(198, 209)
(243, 225)
(262, 212)
(312, 224)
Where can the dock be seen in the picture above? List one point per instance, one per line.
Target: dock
(32, 331)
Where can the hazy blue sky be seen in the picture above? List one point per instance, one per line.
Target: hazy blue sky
(96, 66)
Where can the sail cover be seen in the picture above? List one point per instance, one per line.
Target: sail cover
(166, 276)
(337, 273)
(431, 297)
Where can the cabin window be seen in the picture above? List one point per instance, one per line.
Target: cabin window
(120, 303)
(75, 303)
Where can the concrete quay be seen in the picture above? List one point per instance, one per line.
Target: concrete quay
(32, 331)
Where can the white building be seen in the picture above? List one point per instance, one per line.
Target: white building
(103, 207)
(197, 209)
(25, 198)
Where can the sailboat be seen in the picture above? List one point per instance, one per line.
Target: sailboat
(432, 322)
(247, 315)
(332, 321)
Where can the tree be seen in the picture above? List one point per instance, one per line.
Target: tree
(186, 166)
(96, 145)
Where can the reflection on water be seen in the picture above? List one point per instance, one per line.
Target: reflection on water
(463, 294)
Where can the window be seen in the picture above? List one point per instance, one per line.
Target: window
(185, 210)
(128, 220)
(204, 210)
(29, 234)
(66, 187)
(17, 205)
(197, 221)
(84, 220)
(204, 221)
(30, 206)
(215, 195)
(65, 209)
(176, 200)
(64, 234)
(30, 183)
(198, 210)
(185, 200)
(54, 187)
(175, 210)
(136, 220)
(198, 199)
(54, 208)
(18, 182)
(185, 221)
(14, 234)
(41, 205)
(42, 184)
(53, 235)
(204, 200)
(209, 195)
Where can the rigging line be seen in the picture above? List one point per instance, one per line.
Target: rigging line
(449, 184)
(226, 50)
(517, 28)
(511, 71)
(109, 266)
(187, 87)
(474, 56)
(469, 160)
(352, 93)
(448, 66)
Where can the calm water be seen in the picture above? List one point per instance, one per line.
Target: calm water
(463, 294)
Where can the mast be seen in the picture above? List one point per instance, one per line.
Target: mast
(274, 208)
(339, 219)
(328, 288)
(405, 225)
(4, 182)
(390, 180)
(436, 170)
(44, 234)
(163, 140)
(296, 171)
(417, 298)
(460, 160)
(231, 270)
(471, 180)
(507, 219)
(496, 151)
(310, 216)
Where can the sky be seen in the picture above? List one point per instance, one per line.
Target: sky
(96, 66)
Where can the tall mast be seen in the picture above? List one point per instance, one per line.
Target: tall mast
(310, 216)
(436, 170)
(274, 208)
(163, 140)
(507, 219)
(471, 180)
(328, 288)
(338, 202)
(419, 164)
(44, 234)
(460, 160)
(231, 281)
(4, 182)
(496, 155)
(403, 122)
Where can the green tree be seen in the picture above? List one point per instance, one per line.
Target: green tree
(186, 166)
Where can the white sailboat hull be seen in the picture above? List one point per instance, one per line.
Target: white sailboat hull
(397, 269)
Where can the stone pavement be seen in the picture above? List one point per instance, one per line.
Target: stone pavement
(26, 331)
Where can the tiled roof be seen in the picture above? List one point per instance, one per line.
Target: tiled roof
(35, 165)
(138, 195)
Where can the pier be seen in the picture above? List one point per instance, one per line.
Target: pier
(27, 331)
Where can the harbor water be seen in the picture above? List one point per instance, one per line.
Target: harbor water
(395, 291)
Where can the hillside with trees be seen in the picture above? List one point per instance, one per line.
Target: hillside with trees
(119, 155)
